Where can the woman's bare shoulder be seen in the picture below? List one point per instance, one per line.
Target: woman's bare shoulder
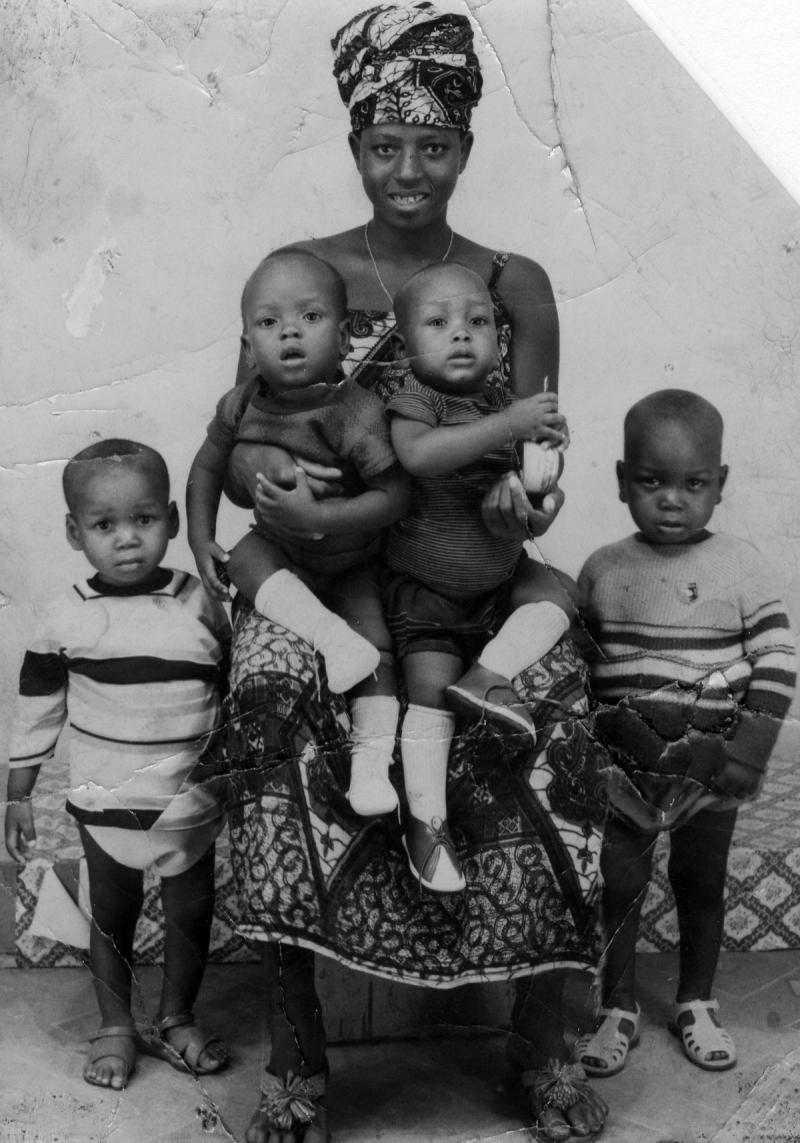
(519, 272)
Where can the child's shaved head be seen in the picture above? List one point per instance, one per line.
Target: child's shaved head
(700, 419)
(332, 277)
(440, 279)
(86, 464)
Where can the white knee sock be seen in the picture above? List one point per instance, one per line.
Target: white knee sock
(527, 634)
(349, 658)
(425, 748)
(374, 727)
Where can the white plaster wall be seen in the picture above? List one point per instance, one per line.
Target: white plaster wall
(153, 151)
(743, 53)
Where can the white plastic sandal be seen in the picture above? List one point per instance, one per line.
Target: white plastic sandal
(608, 1042)
(702, 1038)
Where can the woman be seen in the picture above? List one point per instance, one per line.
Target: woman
(312, 875)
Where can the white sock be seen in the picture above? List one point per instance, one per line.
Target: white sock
(349, 658)
(527, 634)
(374, 727)
(425, 748)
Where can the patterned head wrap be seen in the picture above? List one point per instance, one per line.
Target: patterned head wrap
(407, 63)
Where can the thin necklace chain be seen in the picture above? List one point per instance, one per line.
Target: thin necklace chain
(381, 282)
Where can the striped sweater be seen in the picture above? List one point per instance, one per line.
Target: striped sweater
(688, 635)
(133, 680)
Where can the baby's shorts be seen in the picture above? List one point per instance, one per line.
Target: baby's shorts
(421, 619)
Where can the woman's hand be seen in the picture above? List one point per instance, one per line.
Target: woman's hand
(210, 559)
(508, 513)
(288, 511)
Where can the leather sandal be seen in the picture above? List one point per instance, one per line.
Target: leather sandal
(293, 1104)
(702, 1038)
(102, 1048)
(153, 1042)
(555, 1090)
(432, 855)
(608, 1043)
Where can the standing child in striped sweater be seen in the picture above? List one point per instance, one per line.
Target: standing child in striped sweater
(452, 590)
(694, 672)
(127, 667)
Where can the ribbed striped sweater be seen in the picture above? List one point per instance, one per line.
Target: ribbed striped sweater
(133, 681)
(688, 633)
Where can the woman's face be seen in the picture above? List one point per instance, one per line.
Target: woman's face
(408, 172)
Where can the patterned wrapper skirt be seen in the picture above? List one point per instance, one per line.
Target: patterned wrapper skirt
(527, 825)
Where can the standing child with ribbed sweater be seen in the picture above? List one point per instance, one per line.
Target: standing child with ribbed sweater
(694, 671)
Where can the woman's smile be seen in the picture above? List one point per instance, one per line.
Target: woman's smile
(410, 171)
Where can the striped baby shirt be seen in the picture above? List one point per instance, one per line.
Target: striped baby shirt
(442, 541)
(132, 677)
(688, 633)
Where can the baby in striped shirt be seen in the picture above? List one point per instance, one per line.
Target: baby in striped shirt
(455, 595)
(694, 672)
(125, 669)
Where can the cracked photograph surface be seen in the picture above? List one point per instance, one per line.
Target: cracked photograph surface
(497, 779)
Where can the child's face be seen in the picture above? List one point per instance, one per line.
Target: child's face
(122, 523)
(293, 333)
(671, 481)
(449, 335)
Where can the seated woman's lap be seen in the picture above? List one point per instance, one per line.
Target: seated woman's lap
(310, 871)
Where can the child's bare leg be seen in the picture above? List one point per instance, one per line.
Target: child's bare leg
(626, 862)
(427, 733)
(258, 569)
(697, 867)
(297, 1043)
(188, 902)
(538, 621)
(374, 709)
(116, 895)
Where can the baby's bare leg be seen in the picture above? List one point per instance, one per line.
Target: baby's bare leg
(252, 561)
(260, 570)
(539, 618)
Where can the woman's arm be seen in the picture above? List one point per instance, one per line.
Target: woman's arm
(528, 296)
(525, 288)
(296, 510)
(431, 450)
(203, 492)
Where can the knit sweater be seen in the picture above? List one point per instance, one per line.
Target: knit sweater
(688, 635)
(133, 680)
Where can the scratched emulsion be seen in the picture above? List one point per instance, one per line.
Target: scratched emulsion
(152, 153)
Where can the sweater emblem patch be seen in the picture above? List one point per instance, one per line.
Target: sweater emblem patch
(688, 593)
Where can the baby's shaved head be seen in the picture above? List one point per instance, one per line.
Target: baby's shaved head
(334, 280)
(86, 464)
(442, 279)
(697, 416)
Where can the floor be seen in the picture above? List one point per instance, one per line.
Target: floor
(445, 1088)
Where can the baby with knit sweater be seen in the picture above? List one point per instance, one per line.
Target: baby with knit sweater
(694, 672)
